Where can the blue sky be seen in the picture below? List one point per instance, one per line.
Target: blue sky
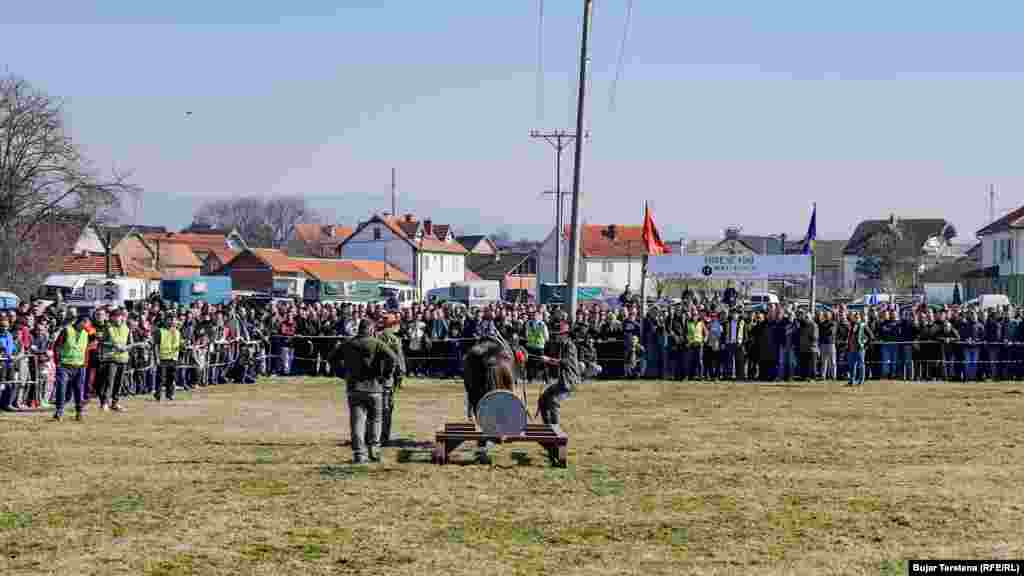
(738, 113)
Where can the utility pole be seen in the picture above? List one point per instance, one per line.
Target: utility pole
(991, 203)
(559, 140)
(574, 240)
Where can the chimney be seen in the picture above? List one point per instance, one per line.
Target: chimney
(410, 218)
(428, 227)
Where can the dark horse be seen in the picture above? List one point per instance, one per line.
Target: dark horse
(488, 366)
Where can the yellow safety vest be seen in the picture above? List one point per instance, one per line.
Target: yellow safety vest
(72, 353)
(535, 335)
(694, 332)
(118, 335)
(170, 345)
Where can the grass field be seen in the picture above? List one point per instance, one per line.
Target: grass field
(664, 478)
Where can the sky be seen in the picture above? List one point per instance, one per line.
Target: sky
(726, 114)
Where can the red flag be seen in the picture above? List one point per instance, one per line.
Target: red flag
(651, 237)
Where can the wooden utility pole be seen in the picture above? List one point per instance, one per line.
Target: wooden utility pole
(574, 240)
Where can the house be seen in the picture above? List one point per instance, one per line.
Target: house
(317, 240)
(86, 264)
(512, 270)
(611, 264)
(265, 270)
(477, 244)
(202, 243)
(428, 254)
(1000, 257)
(217, 258)
(158, 259)
(904, 248)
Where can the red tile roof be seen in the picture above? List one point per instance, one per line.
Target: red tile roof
(319, 233)
(86, 264)
(277, 260)
(224, 255)
(629, 241)
(201, 242)
(333, 270)
(427, 244)
(178, 255)
(375, 270)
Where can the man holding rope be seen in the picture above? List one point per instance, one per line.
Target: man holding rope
(550, 403)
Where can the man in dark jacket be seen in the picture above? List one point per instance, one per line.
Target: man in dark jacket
(366, 359)
(808, 347)
(909, 332)
(972, 334)
(993, 346)
(827, 346)
(785, 333)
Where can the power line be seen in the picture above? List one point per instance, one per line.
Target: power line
(540, 61)
(621, 60)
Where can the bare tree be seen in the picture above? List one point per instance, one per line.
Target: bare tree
(263, 223)
(44, 180)
(283, 213)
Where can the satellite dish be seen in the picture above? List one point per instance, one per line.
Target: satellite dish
(501, 413)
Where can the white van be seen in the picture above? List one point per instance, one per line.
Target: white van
(69, 286)
(986, 301)
(120, 292)
(763, 298)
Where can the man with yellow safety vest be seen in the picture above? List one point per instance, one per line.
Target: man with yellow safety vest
(114, 357)
(167, 347)
(537, 336)
(695, 336)
(70, 350)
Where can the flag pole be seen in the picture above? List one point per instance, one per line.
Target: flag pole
(643, 279)
(814, 281)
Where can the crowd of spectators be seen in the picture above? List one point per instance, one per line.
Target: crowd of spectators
(698, 338)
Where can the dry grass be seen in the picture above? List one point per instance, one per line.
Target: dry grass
(664, 478)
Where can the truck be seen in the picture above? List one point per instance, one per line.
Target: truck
(556, 294)
(941, 293)
(185, 291)
(340, 291)
(475, 293)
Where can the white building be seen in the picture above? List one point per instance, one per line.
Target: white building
(425, 251)
(1001, 254)
(604, 262)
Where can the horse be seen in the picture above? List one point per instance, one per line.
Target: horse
(489, 365)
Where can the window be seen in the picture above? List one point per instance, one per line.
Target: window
(607, 267)
(376, 233)
(426, 262)
(443, 258)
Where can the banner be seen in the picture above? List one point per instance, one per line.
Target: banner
(730, 267)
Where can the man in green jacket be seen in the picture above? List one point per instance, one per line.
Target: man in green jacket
(366, 360)
(114, 356)
(392, 380)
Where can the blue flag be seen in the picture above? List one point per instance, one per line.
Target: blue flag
(812, 233)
